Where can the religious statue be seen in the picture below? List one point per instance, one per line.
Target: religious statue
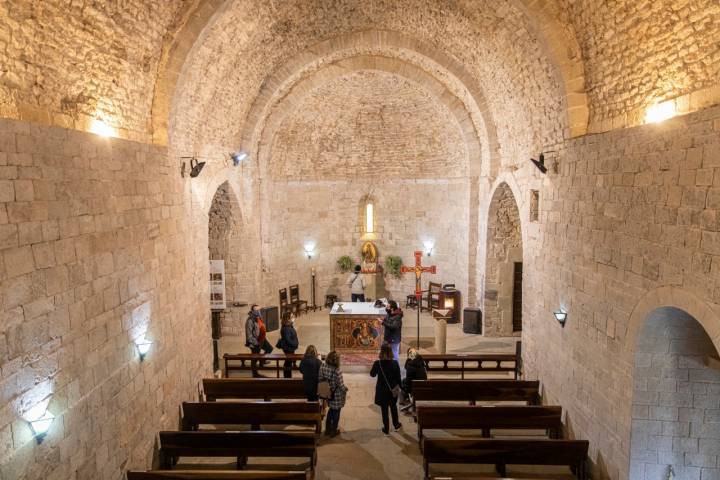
(368, 252)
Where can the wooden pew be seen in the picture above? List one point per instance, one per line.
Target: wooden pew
(241, 445)
(239, 362)
(473, 391)
(252, 389)
(250, 413)
(475, 451)
(489, 418)
(475, 362)
(216, 475)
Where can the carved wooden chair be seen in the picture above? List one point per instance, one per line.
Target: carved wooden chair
(285, 306)
(297, 304)
(432, 299)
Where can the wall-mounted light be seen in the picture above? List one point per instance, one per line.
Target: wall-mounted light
(561, 316)
(238, 157)
(309, 250)
(40, 420)
(660, 112)
(98, 127)
(429, 245)
(143, 347)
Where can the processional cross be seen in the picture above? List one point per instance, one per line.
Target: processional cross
(418, 269)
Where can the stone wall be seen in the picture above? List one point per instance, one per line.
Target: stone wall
(639, 52)
(629, 213)
(97, 249)
(676, 403)
(407, 212)
(504, 248)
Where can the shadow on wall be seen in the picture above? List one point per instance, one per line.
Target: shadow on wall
(676, 400)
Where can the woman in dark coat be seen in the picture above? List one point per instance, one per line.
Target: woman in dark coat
(388, 372)
(310, 369)
(288, 342)
(414, 370)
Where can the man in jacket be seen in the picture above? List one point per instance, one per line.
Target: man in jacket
(356, 282)
(393, 328)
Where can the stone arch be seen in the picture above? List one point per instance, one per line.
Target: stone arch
(224, 228)
(504, 251)
(672, 401)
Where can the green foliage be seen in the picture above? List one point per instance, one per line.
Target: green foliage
(393, 263)
(345, 263)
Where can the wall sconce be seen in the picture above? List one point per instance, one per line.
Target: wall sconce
(561, 316)
(238, 157)
(143, 347)
(660, 112)
(309, 250)
(429, 245)
(40, 425)
(98, 127)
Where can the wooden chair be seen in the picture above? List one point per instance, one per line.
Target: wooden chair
(254, 414)
(297, 304)
(483, 451)
(432, 299)
(216, 475)
(285, 306)
(241, 445)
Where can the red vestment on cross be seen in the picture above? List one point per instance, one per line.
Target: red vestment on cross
(418, 269)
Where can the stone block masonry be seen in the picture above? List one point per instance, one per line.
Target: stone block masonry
(96, 250)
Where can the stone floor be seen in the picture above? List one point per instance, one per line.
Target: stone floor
(361, 451)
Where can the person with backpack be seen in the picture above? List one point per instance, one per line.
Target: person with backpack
(356, 282)
(256, 336)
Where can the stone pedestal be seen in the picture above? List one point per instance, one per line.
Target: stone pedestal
(441, 335)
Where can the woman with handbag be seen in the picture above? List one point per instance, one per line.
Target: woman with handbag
(387, 387)
(288, 342)
(334, 393)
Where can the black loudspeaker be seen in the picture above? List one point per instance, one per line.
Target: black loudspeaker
(271, 318)
(472, 320)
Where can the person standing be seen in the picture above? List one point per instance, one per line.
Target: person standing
(393, 328)
(288, 342)
(356, 282)
(256, 336)
(330, 371)
(310, 369)
(387, 371)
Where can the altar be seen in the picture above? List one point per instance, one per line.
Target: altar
(357, 329)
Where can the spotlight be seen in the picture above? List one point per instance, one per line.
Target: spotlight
(195, 166)
(143, 347)
(540, 164)
(39, 423)
(561, 316)
(309, 249)
(429, 245)
(238, 157)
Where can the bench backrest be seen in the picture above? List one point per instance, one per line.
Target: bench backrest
(215, 475)
(485, 418)
(217, 443)
(249, 413)
(517, 452)
(477, 390)
(256, 388)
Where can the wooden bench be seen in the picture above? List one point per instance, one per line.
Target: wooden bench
(242, 362)
(252, 389)
(474, 451)
(489, 418)
(473, 391)
(250, 413)
(241, 445)
(215, 475)
(475, 362)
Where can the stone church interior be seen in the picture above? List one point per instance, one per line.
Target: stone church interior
(212, 210)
